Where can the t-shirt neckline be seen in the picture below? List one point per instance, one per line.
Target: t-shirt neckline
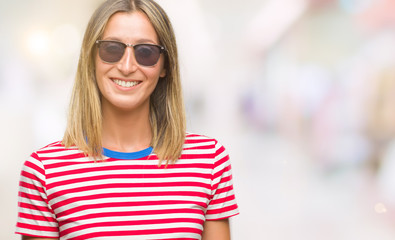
(127, 155)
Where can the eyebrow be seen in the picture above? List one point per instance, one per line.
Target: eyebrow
(139, 41)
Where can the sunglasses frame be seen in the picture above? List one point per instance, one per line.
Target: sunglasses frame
(161, 50)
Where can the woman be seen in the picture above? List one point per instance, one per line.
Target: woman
(126, 168)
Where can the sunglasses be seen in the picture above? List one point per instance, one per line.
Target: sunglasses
(145, 54)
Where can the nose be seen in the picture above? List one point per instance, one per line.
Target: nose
(128, 63)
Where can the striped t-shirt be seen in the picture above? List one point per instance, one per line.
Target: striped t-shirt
(64, 194)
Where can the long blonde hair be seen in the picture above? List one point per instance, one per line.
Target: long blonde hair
(167, 113)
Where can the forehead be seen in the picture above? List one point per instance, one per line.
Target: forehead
(131, 27)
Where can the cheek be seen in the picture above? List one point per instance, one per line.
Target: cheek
(156, 72)
(155, 77)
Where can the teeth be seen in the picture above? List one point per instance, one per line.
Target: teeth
(125, 83)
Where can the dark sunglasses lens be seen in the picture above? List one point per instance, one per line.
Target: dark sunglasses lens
(111, 51)
(147, 55)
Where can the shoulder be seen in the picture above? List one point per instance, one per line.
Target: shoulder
(34, 165)
(51, 155)
(193, 139)
(203, 144)
(55, 150)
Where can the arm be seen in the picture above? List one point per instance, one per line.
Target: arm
(216, 230)
(36, 238)
(36, 220)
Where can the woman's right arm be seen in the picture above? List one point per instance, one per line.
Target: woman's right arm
(35, 238)
(35, 215)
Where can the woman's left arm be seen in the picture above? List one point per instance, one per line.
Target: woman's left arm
(216, 230)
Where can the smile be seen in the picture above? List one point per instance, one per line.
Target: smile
(125, 83)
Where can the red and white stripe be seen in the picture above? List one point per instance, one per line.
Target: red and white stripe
(67, 195)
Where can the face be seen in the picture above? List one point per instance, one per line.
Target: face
(126, 85)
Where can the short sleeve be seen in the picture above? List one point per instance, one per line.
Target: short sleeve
(223, 203)
(35, 217)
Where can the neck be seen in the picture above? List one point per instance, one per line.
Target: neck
(126, 131)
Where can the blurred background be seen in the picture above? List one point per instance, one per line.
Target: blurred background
(301, 93)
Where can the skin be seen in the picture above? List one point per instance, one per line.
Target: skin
(126, 126)
(216, 230)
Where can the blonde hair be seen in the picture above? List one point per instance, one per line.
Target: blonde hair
(167, 114)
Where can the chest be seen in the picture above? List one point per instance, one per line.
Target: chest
(129, 199)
